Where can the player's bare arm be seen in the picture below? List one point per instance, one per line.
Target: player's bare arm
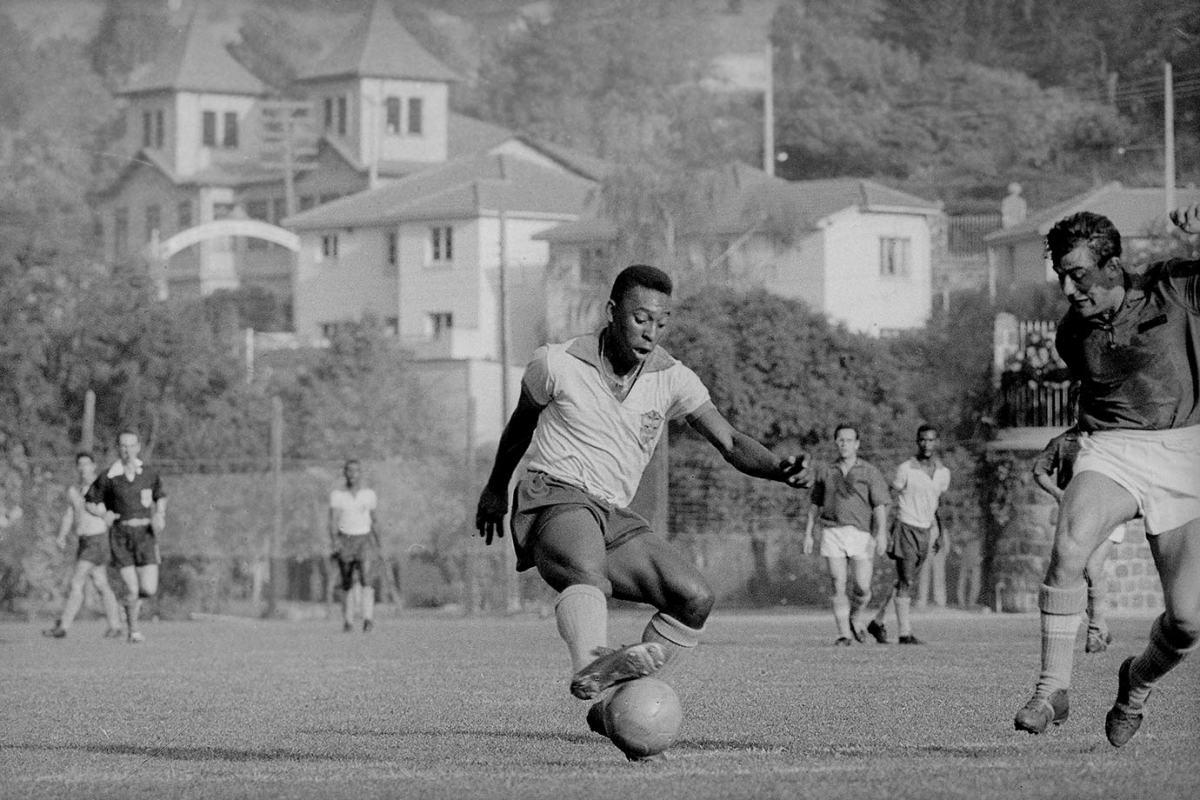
(158, 520)
(879, 517)
(514, 441)
(745, 453)
(375, 532)
(64, 526)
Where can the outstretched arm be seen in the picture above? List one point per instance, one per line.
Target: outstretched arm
(746, 454)
(514, 441)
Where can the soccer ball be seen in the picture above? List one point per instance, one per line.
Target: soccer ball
(642, 717)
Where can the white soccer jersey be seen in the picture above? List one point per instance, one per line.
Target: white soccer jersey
(585, 435)
(352, 512)
(917, 501)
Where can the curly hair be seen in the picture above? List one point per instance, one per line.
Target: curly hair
(640, 275)
(1093, 230)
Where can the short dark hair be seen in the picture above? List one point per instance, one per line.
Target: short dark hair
(845, 426)
(1094, 230)
(640, 275)
(85, 454)
(926, 427)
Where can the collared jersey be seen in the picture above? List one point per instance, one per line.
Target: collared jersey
(1140, 369)
(128, 498)
(85, 523)
(851, 498)
(1058, 458)
(352, 511)
(585, 435)
(918, 492)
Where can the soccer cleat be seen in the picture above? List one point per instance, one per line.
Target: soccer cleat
(135, 637)
(347, 627)
(909, 639)
(1097, 641)
(843, 641)
(1122, 721)
(57, 632)
(617, 666)
(368, 625)
(114, 633)
(1040, 712)
(860, 633)
(878, 630)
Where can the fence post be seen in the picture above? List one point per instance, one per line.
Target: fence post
(277, 568)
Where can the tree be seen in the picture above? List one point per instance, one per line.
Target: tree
(130, 33)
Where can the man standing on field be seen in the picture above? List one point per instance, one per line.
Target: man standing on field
(355, 542)
(133, 493)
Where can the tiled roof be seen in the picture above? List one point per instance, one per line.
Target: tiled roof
(194, 60)
(1135, 211)
(379, 47)
(467, 136)
(456, 190)
(739, 195)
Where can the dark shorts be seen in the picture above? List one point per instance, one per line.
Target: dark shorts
(95, 549)
(908, 546)
(354, 555)
(539, 498)
(133, 546)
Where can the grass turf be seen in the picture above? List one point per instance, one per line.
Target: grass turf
(434, 706)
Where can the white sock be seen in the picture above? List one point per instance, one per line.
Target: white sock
(582, 615)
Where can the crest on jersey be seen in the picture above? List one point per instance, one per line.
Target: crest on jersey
(651, 424)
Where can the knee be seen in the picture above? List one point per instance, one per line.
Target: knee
(147, 591)
(696, 602)
(1182, 628)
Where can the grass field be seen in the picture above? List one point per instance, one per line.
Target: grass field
(435, 706)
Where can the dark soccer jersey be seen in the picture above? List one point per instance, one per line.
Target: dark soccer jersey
(1140, 369)
(849, 499)
(128, 499)
(1058, 458)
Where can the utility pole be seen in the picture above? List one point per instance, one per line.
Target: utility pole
(769, 112)
(87, 439)
(512, 588)
(1169, 136)
(276, 563)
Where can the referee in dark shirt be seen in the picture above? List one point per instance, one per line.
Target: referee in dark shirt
(133, 492)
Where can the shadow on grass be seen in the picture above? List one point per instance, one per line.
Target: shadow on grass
(197, 753)
(434, 733)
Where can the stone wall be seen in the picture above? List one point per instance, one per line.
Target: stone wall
(1021, 529)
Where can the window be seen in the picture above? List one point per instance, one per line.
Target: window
(414, 115)
(391, 326)
(341, 115)
(257, 209)
(329, 245)
(278, 209)
(147, 128)
(222, 210)
(306, 202)
(439, 324)
(209, 133)
(120, 231)
(231, 131)
(153, 221)
(441, 242)
(160, 128)
(593, 265)
(184, 212)
(328, 113)
(393, 248)
(392, 106)
(893, 256)
(330, 329)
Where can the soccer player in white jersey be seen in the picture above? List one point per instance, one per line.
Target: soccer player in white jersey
(591, 412)
(93, 554)
(352, 535)
(1132, 339)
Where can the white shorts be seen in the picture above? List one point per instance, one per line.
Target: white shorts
(846, 541)
(1161, 469)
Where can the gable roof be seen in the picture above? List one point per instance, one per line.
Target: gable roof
(460, 189)
(193, 60)
(379, 47)
(1135, 211)
(739, 197)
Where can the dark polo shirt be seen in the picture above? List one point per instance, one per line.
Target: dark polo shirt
(128, 499)
(1140, 369)
(849, 499)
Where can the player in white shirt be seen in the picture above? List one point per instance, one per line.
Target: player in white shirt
(352, 534)
(591, 413)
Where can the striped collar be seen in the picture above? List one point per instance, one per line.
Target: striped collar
(587, 349)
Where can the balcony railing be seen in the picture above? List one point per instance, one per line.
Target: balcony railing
(1035, 405)
(1032, 390)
